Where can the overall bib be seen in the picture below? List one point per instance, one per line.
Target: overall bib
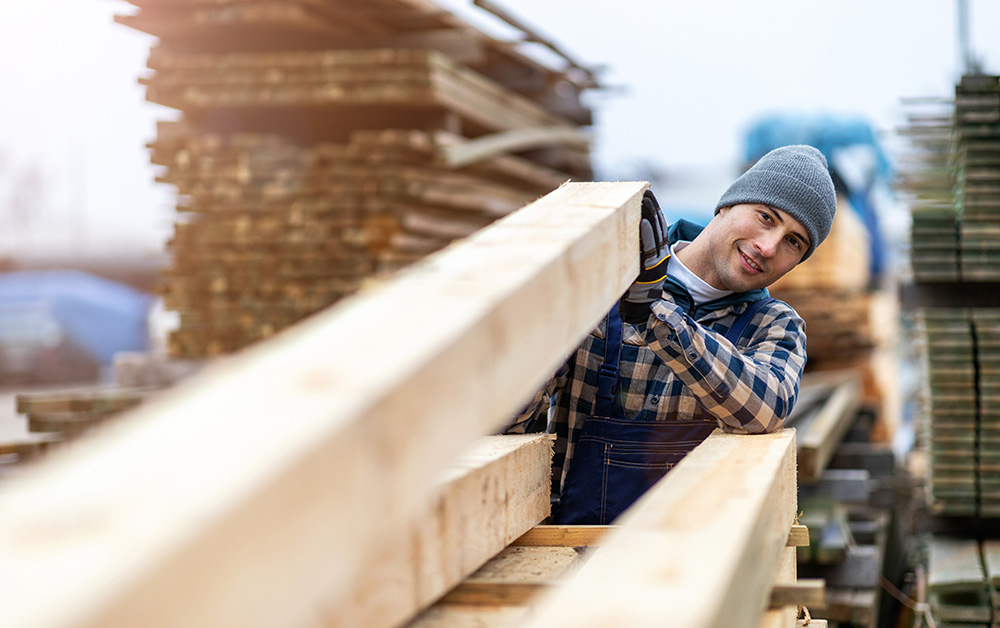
(617, 459)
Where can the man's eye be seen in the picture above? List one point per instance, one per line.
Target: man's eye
(794, 242)
(765, 216)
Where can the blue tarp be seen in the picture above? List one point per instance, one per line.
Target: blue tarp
(831, 134)
(101, 316)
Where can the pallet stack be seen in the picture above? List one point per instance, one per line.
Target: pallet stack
(322, 144)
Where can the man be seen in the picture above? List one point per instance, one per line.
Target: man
(702, 344)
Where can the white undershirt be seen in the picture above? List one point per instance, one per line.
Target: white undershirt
(700, 290)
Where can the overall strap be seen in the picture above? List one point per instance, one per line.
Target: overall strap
(607, 375)
(743, 319)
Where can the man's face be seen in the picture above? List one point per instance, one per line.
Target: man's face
(753, 245)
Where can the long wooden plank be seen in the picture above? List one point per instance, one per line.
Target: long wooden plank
(491, 146)
(692, 551)
(564, 536)
(825, 430)
(499, 489)
(228, 501)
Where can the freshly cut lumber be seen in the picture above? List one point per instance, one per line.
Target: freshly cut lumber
(781, 616)
(566, 536)
(499, 593)
(225, 500)
(499, 488)
(529, 564)
(471, 616)
(516, 576)
(692, 550)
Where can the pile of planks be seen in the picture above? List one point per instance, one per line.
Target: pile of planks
(952, 179)
(977, 194)
(843, 498)
(64, 415)
(323, 143)
(926, 182)
(962, 579)
(961, 406)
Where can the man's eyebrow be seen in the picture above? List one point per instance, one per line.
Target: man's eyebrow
(780, 217)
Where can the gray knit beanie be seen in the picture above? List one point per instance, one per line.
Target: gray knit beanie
(796, 180)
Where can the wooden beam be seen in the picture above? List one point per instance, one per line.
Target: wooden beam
(499, 489)
(226, 500)
(806, 592)
(499, 593)
(820, 434)
(691, 551)
(497, 144)
(565, 536)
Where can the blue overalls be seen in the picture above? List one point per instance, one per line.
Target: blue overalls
(617, 459)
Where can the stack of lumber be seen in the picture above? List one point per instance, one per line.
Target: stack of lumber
(322, 143)
(952, 179)
(961, 409)
(949, 406)
(977, 195)
(849, 325)
(987, 340)
(842, 497)
(926, 182)
(282, 231)
(957, 586)
(991, 564)
(67, 414)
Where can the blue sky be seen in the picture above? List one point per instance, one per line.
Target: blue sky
(687, 76)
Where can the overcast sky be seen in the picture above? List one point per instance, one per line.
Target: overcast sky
(687, 78)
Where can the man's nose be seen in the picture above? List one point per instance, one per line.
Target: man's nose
(768, 243)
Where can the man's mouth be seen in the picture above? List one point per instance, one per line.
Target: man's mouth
(751, 263)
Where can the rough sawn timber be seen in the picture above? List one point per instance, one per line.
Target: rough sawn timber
(255, 492)
(497, 490)
(695, 549)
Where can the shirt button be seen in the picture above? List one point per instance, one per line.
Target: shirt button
(654, 400)
(662, 317)
(692, 356)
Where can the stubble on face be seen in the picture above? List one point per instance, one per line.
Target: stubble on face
(743, 253)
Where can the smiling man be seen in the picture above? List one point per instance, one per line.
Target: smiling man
(695, 344)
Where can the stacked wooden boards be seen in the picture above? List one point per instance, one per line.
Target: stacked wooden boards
(323, 143)
(961, 402)
(960, 590)
(67, 414)
(952, 178)
(926, 182)
(977, 194)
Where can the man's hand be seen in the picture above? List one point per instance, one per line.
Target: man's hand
(653, 255)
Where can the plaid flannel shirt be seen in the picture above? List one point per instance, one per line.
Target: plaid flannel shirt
(678, 366)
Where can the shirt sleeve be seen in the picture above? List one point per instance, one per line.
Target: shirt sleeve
(534, 416)
(750, 391)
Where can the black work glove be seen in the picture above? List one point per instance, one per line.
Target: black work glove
(654, 251)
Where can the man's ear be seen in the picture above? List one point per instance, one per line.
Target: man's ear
(722, 211)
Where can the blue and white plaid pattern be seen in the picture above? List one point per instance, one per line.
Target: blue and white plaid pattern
(680, 369)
